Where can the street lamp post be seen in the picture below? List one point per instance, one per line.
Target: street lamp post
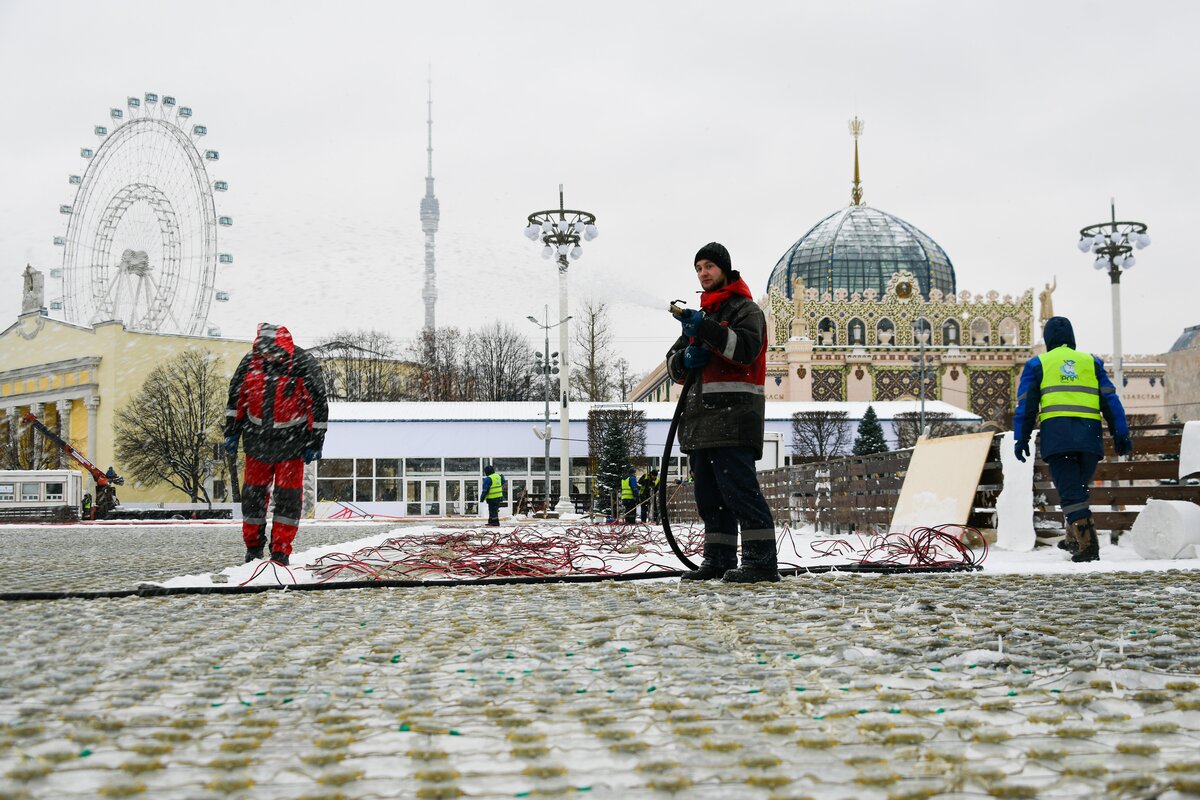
(549, 366)
(1113, 243)
(561, 230)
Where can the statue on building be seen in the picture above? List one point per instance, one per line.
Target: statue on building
(798, 328)
(1046, 301)
(33, 296)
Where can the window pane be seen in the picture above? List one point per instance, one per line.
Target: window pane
(512, 466)
(335, 468)
(54, 491)
(364, 490)
(423, 466)
(31, 491)
(461, 466)
(341, 489)
(412, 496)
(387, 468)
(364, 467)
(538, 465)
(387, 491)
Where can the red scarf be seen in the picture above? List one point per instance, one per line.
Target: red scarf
(711, 300)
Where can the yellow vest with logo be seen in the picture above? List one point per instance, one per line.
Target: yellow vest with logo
(626, 489)
(1070, 386)
(496, 487)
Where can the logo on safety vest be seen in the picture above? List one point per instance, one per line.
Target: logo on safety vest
(1068, 371)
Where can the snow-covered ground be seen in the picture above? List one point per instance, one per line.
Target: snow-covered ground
(1035, 677)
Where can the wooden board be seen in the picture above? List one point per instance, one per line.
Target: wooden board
(939, 487)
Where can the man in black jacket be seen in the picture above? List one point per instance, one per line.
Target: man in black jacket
(277, 406)
(723, 420)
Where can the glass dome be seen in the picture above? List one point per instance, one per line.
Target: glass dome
(859, 248)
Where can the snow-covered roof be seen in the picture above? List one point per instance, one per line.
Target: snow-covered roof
(535, 411)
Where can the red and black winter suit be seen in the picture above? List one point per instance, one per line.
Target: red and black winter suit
(277, 405)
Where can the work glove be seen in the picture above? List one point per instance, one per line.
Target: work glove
(690, 320)
(695, 357)
(311, 454)
(1021, 449)
(231, 445)
(1122, 444)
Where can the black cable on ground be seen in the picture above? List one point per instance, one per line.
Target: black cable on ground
(177, 591)
(663, 469)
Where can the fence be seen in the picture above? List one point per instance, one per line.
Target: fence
(860, 493)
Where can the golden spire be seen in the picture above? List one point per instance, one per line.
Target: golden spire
(856, 194)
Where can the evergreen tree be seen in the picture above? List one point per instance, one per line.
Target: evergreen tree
(616, 440)
(870, 437)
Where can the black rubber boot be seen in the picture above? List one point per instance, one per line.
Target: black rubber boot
(718, 559)
(253, 553)
(280, 558)
(759, 563)
(1068, 542)
(1089, 544)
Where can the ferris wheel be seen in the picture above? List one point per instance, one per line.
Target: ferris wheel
(141, 239)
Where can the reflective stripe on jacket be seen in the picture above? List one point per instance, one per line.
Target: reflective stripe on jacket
(1069, 386)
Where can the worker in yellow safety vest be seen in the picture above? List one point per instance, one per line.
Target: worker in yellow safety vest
(1066, 393)
(629, 496)
(493, 494)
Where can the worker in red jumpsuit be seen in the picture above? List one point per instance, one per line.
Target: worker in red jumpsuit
(277, 406)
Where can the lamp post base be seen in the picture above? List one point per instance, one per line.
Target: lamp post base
(564, 506)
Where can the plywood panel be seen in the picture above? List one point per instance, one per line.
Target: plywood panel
(939, 488)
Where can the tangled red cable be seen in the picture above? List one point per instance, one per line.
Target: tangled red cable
(941, 547)
(524, 551)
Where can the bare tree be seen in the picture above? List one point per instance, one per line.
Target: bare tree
(360, 366)
(503, 363)
(907, 426)
(592, 340)
(624, 380)
(821, 435)
(169, 429)
(440, 357)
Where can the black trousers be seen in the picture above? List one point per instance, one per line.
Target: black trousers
(630, 511)
(493, 505)
(728, 497)
(1071, 473)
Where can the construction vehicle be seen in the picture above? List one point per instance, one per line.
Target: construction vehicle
(106, 505)
(106, 482)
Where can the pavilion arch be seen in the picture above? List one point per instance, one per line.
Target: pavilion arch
(885, 331)
(826, 332)
(856, 332)
(1010, 331)
(951, 332)
(981, 332)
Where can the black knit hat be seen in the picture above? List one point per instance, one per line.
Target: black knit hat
(717, 254)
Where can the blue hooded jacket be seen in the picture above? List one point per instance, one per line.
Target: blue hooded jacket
(1065, 434)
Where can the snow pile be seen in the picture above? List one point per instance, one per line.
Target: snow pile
(1014, 506)
(1189, 450)
(1167, 529)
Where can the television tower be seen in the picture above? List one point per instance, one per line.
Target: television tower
(430, 214)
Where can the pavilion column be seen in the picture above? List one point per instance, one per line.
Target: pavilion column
(64, 429)
(35, 438)
(11, 439)
(92, 403)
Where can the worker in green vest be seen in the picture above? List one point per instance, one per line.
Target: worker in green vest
(1066, 393)
(629, 496)
(493, 494)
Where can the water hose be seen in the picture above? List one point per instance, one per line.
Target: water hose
(662, 470)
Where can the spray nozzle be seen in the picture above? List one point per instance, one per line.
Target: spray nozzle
(678, 310)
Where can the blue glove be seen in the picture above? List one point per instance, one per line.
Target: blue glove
(695, 357)
(1122, 444)
(311, 454)
(231, 445)
(1021, 449)
(690, 320)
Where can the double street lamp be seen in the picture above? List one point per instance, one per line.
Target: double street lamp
(1113, 244)
(562, 231)
(548, 363)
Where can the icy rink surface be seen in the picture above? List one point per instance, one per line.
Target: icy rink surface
(1034, 678)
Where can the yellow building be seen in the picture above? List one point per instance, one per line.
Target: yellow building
(76, 378)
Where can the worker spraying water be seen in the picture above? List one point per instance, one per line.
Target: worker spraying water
(723, 349)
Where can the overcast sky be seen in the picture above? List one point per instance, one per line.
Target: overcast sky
(999, 128)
